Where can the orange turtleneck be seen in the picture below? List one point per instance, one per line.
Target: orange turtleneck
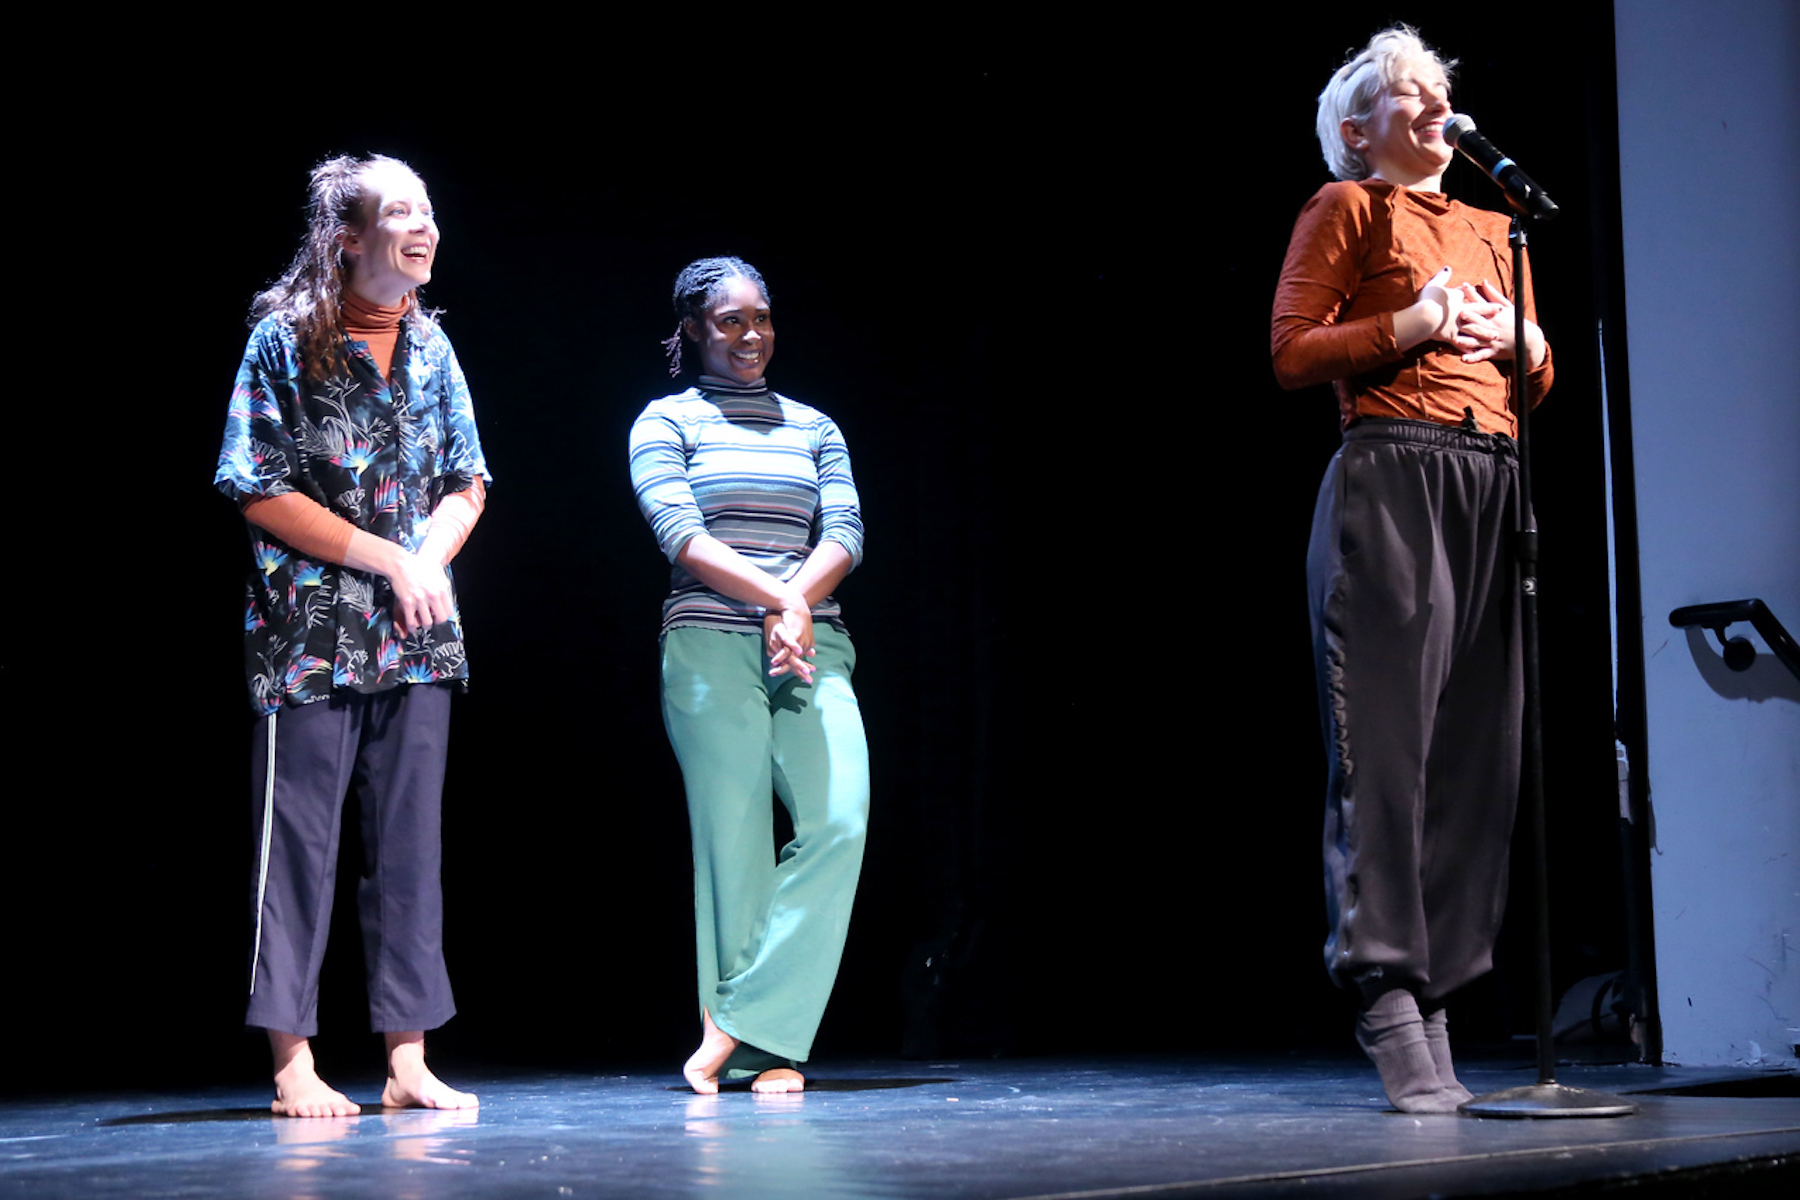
(315, 530)
(374, 325)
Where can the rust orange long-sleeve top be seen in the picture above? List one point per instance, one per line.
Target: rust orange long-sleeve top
(1360, 252)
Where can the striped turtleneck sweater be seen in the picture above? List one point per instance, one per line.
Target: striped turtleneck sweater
(766, 475)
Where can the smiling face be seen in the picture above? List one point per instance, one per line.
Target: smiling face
(1403, 138)
(393, 251)
(735, 335)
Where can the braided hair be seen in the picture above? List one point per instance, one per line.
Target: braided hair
(698, 288)
(308, 295)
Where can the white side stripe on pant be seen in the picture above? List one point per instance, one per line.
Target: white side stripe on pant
(262, 858)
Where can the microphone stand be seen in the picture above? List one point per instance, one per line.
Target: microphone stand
(1546, 1098)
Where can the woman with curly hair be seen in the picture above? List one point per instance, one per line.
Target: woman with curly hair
(351, 448)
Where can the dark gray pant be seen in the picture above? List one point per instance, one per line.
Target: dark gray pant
(389, 748)
(1415, 621)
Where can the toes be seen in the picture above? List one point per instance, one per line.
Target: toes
(433, 1094)
(778, 1081)
(331, 1106)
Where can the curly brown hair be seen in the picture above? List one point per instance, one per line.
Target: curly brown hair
(307, 295)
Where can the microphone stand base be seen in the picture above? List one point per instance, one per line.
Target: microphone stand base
(1542, 1100)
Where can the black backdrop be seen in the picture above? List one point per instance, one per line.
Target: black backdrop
(1028, 275)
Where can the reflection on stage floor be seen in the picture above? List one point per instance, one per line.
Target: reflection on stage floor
(1212, 1126)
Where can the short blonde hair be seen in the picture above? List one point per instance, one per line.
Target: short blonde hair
(1353, 89)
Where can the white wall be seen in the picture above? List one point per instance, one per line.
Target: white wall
(1709, 139)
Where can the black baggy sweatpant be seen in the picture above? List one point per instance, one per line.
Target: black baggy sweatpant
(1415, 620)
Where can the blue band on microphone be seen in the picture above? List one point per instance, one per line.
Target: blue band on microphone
(1501, 166)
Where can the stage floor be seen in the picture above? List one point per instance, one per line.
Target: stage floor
(1253, 1126)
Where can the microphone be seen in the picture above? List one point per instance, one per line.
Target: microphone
(1522, 192)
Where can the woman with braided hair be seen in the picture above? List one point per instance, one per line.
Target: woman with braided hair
(1398, 296)
(751, 499)
(350, 446)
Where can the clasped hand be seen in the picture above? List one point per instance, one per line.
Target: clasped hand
(788, 634)
(1484, 324)
(422, 594)
(1476, 320)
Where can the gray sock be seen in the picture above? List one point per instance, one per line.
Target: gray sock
(1437, 1040)
(1392, 1033)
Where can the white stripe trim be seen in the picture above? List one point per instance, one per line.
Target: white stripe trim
(262, 863)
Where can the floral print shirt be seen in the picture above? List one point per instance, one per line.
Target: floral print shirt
(378, 453)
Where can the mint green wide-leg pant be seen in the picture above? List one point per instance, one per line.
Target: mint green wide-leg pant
(769, 927)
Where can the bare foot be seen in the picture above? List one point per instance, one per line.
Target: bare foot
(410, 1082)
(779, 1079)
(299, 1092)
(703, 1067)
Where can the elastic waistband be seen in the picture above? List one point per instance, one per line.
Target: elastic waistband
(1430, 433)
